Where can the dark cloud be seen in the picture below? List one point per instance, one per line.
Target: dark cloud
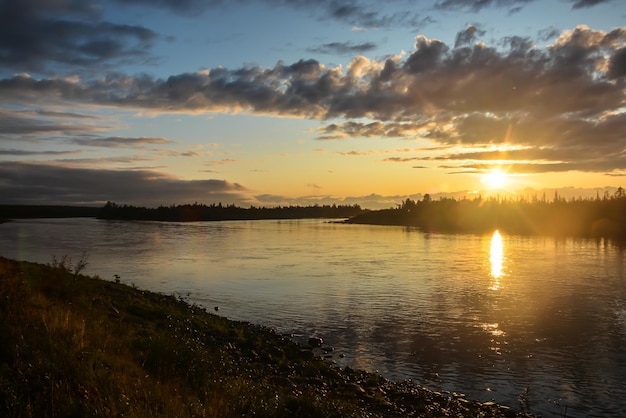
(122, 160)
(49, 184)
(119, 142)
(617, 64)
(184, 7)
(25, 153)
(582, 4)
(548, 33)
(353, 129)
(428, 55)
(17, 123)
(38, 35)
(367, 16)
(64, 115)
(515, 9)
(478, 5)
(343, 48)
(468, 36)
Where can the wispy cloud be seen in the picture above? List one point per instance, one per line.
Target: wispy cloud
(343, 48)
(401, 159)
(17, 123)
(120, 142)
(478, 5)
(111, 161)
(28, 153)
(223, 161)
(377, 152)
(582, 4)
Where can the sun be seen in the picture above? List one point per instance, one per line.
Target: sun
(495, 179)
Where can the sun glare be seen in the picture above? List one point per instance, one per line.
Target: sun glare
(495, 179)
(495, 257)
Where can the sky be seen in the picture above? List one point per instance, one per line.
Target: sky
(294, 102)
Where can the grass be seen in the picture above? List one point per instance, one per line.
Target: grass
(75, 346)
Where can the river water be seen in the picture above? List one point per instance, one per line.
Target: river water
(492, 316)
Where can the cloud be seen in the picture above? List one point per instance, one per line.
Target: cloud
(22, 153)
(13, 123)
(478, 5)
(376, 152)
(223, 161)
(548, 33)
(185, 7)
(540, 167)
(568, 96)
(41, 35)
(359, 14)
(401, 159)
(617, 64)
(353, 129)
(362, 14)
(30, 183)
(343, 48)
(119, 142)
(570, 76)
(103, 161)
(582, 4)
(356, 13)
(468, 36)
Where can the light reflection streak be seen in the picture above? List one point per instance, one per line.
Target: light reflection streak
(496, 255)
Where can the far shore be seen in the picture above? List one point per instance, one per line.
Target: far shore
(590, 218)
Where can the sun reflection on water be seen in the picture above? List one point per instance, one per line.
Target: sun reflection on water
(496, 255)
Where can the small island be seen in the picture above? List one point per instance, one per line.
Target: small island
(74, 345)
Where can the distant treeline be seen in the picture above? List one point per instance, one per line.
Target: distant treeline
(600, 217)
(47, 211)
(218, 212)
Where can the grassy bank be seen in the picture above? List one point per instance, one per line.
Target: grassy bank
(78, 346)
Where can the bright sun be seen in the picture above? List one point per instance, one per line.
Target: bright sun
(495, 179)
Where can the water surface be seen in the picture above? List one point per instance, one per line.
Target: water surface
(489, 316)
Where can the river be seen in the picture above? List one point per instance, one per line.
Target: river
(492, 316)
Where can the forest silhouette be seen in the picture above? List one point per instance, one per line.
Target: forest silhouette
(219, 212)
(600, 217)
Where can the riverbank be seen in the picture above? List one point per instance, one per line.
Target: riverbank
(76, 346)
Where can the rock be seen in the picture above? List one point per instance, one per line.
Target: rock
(315, 342)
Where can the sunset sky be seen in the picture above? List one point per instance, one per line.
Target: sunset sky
(277, 102)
